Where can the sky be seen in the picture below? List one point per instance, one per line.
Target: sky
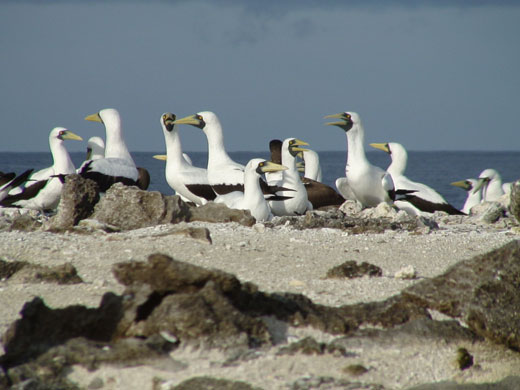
(432, 75)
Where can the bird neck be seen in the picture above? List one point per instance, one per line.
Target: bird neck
(291, 173)
(173, 148)
(216, 150)
(62, 162)
(356, 150)
(252, 186)
(115, 146)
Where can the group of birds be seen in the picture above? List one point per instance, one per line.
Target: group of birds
(290, 183)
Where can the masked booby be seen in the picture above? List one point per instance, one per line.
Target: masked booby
(45, 194)
(424, 198)
(369, 184)
(190, 182)
(117, 164)
(275, 148)
(319, 194)
(10, 180)
(490, 182)
(311, 161)
(252, 198)
(224, 174)
(473, 197)
(298, 203)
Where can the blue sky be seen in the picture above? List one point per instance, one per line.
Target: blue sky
(434, 75)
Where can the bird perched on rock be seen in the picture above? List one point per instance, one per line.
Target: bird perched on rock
(117, 165)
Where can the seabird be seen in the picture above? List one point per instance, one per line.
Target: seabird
(424, 198)
(319, 194)
(490, 182)
(298, 203)
(8, 181)
(224, 174)
(45, 194)
(275, 148)
(312, 165)
(95, 148)
(473, 198)
(369, 184)
(252, 198)
(117, 164)
(190, 182)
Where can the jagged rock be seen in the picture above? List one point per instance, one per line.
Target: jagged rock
(488, 212)
(326, 383)
(350, 269)
(219, 212)
(358, 224)
(209, 383)
(309, 346)
(482, 291)
(509, 383)
(194, 304)
(514, 205)
(350, 207)
(464, 359)
(26, 222)
(131, 208)
(24, 272)
(41, 328)
(78, 197)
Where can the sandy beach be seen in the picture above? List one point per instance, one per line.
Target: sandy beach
(276, 259)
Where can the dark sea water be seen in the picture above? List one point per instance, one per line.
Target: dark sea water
(436, 169)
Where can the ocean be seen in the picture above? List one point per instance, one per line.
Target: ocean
(436, 169)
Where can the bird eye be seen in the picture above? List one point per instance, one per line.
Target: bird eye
(347, 116)
(164, 117)
(199, 117)
(261, 164)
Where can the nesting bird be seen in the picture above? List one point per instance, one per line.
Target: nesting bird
(424, 198)
(474, 197)
(44, 194)
(117, 165)
(252, 198)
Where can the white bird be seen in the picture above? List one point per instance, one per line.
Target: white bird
(319, 194)
(8, 181)
(224, 174)
(424, 199)
(490, 182)
(45, 194)
(473, 197)
(95, 148)
(312, 165)
(369, 184)
(117, 164)
(190, 182)
(252, 198)
(297, 202)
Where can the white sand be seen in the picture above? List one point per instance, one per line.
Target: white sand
(277, 259)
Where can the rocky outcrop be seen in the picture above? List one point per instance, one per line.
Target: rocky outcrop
(350, 269)
(514, 205)
(482, 291)
(78, 198)
(168, 303)
(24, 272)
